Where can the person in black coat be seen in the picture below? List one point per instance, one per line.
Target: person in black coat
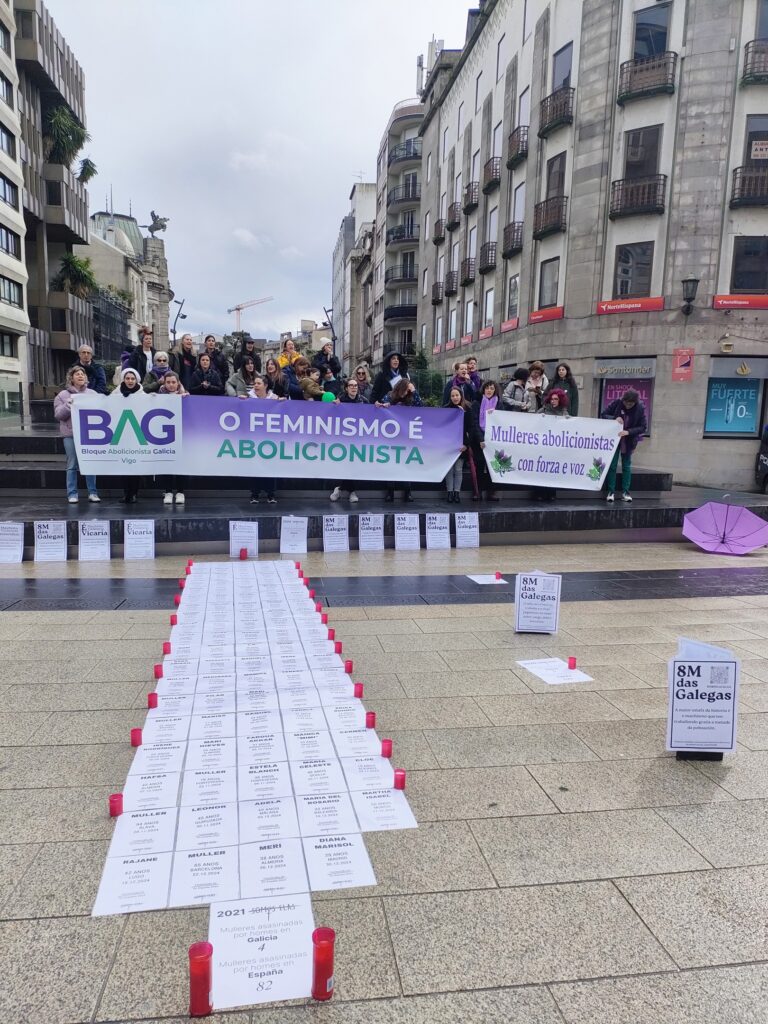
(183, 361)
(490, 398)
(630, 413)
(219, 361)
(461, 380)
(350, 396)
(95, 372)
(142, 358)
(247, 348)
(394, 366)
(325, 359)
(455, 474)
(206, 380)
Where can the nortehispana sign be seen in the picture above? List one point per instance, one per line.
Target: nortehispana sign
(197, 436)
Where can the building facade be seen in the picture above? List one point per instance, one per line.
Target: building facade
(581, 160)
(362, 207)
(14, 321)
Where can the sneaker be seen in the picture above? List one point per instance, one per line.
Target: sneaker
(626, 497)
(353, 497)
(168, 498)
(180, 498)
(271, 500)
(93, 497)
(255, 499)
(610, 496)
(335, 494)
(72, 500)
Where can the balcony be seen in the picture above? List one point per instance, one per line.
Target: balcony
(393, 314)
(437, 293)
(550, 216)
(404, 195)
(556, 110)
(438, 233)
(631, 197)
(404, 273)
(649, 76)
(517, 146)
(755, 63)
(71, 321)
(487, 258)
(491, 175)
(471, 197)
(451, 282)
(512, 243)
(468, 271)
(403, 234)
(453, 219)
(66, 206)
(750, 187)
(407, 151)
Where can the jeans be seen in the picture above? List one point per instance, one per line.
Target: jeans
(90, 481)
(626, 471)
(453, 476)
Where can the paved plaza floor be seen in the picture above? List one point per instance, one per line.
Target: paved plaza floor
(566, 868)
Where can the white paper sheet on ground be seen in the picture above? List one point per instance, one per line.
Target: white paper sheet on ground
(317, 775)
(262, 950)
(487, 580)
(169, 687)
(264, 746)
(310, 743)
(130, 884)
(203, 826)
(256, 723)
(209, 786)
(266, 781)
(139, 832)
(217, 703)
(165, 728)
(356, 742)
(212, 726)
(261, 820)
(338, 862)
(211, 753)
(467, 529)
(368, 773)
(11, 543)
(304, 719)
(407, 535)
(204, 876)
(335, 533)
(144, 792)
(322, 814)
(437, 527)
(209, 682)
(381, 809)
(158, 757)
(350, 715)
(172, 704)
(93, 541)
(554, 671)
(274, 868)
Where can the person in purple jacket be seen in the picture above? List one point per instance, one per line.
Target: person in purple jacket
(76, 383)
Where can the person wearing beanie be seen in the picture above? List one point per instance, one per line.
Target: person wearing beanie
(76, 383)
(127, 391)
(629, 413)
(516, 397)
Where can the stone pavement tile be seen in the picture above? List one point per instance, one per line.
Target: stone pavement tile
(710, 633)
(478, 660)
(527, 744)
(54, 969)
(456, 640)
(461, 793)
(756, 670)
(753, 695)
(88, 727)
(53, 766)
(617, 741)
(148, 631)
(621, 656)
(604, 677)
(380, 687)
(89, 632)
(744, 776)
(214, 1018)
(624, 784)
(429, 661)
(359, 645)
(416, 860)
(34, 815)
(535, 708)
(73, 696)
(121, 669)
(149, 976)
(578, 847)
(38, 649)
(753, 731)
(706, 917)
(14, 861)
(73, 670)
(758, 627)
(411, 749)
(655, 675)
(349, 614)
(62, 882)
(737, 995)
(642, 703)
(491, 1006)
(431, 713)
(755, 646)
(493, 621)
(636, 633)
(460, 684)
(733, 834)
(507, 639)
(17, 727)
(380, 626)
(415, 611)
(518, 936)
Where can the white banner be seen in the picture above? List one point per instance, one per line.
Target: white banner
(549, 451)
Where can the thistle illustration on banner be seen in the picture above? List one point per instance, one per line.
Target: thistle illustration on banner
(502, 463)
(597, 468)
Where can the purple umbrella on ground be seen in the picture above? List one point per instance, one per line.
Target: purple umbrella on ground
(725, 529)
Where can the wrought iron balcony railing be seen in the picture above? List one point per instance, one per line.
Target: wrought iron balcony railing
(648, 76)
(410, 193)
(517, 146)
(401, 272)
(556, 110)
(403, 233)
(550, 216)
(471, 196)
(467, 271)
(453, 219)
(750, 187)
(451, 282)
(633, 196)
(755, 63)
(487, 260)
(438, 233)
(491, 174)
(512, 242)
(408, 150)
(437, 293)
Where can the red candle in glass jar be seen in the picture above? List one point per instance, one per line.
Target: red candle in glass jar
(399, 778)
(177, 599)
(158, 670)
(135, 737)
(331, 633)
(498, 575)
(115, 805)
(349, 666)
(358, 690)
(571, 663)
(323, 940)
(318, 606)
(200, 979)
(151, 700)
(386, 748)
(324, 618)
(166, 646)
(243, 554)
(182, 583)
(337, 647)
(174, 620)
(370, 719)
(312, 594)
(188, 570)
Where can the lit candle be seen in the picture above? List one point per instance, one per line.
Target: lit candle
(182, 583)
(324, 618)
(318, 606)
(312, 594)
(188, 570)
(323, 940)
(200, 975)
(174, 620)
(498, 575)
(243, 554)
(177, 599)
(331, 633)
(571, 663)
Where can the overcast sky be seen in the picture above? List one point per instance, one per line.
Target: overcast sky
(245, 122)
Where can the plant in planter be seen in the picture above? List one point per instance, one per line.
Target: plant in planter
(63, 135)
(87, 170)
(74, 276)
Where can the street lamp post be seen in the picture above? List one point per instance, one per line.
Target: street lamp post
(179, 316)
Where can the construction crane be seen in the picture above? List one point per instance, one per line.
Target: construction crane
(237, 310)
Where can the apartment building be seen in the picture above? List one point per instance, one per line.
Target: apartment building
(55, 202)
(595, 190)
(13, 273)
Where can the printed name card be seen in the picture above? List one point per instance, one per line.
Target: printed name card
(438, 531)
(243, 534)
(335, 533)
(467, 529)
(11, 543)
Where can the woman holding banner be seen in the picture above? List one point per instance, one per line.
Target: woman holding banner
(403, 393)
(455, 474)
(76, 383)
(129, 389)
(629, 413)
(489, 399)
(350, 396)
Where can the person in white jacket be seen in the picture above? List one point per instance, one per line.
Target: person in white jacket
(76, 383)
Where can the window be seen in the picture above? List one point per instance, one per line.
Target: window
(561, 68)
(59, 320)
(513, 296)
(556, 176)
(651, 31)
(423, 337)
(524, 108)
(6, 90)
(9, 193)
(478, 92)
(11, 292)
(7, 346)
(445, 144)
(452, 324)
(455, 256)
(549, 279)
(492, 225)
(526, 22)
(472, 243)
(406, 339)
(25, 24)
(641, 159)
(443, 205)
(426, 224)
(488, 307)
(632, 275)
(10, 242)
(497, 140)
(469, 316)
(429, 167)
(756, 140)
(475, 166)
(518, 207)
(457, 189)
(439, 331)
(762, 19)
(501, 59)
(53, 193)
(7, 142)
(5, 39)
(424, 282)
(459, 120)
(441, 269)
(750, 264)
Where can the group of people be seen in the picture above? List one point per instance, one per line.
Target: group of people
(291, 376)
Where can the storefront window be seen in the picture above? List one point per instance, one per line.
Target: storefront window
(733, 407)
(613, 389)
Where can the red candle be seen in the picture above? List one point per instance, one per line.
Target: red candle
(386, 748)
(158, 671)
(301, 573)
(306, 581)
(571, 663)
(370, 719)
(174, 620)
(358, 689)
(318, 606)
(348, 666)
(498, 575)
(243, 554)
(151, 700)
(188, 570)
(182, 583)
(166, 646)
(177, 599)
(312, 594)
(331, 633)
(337, 647)
(115, 805)
(200, 976)
(135, 737)
(297, 565)
(190, 561)
(399, 778)
(324, 618)
(323, 940)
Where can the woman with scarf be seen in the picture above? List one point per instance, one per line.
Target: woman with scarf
(490, 399)
(240, 384)
(455, 474)
(76, 383)
(206, 380)
(555, 404)
(154, 377)
(127, 391)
